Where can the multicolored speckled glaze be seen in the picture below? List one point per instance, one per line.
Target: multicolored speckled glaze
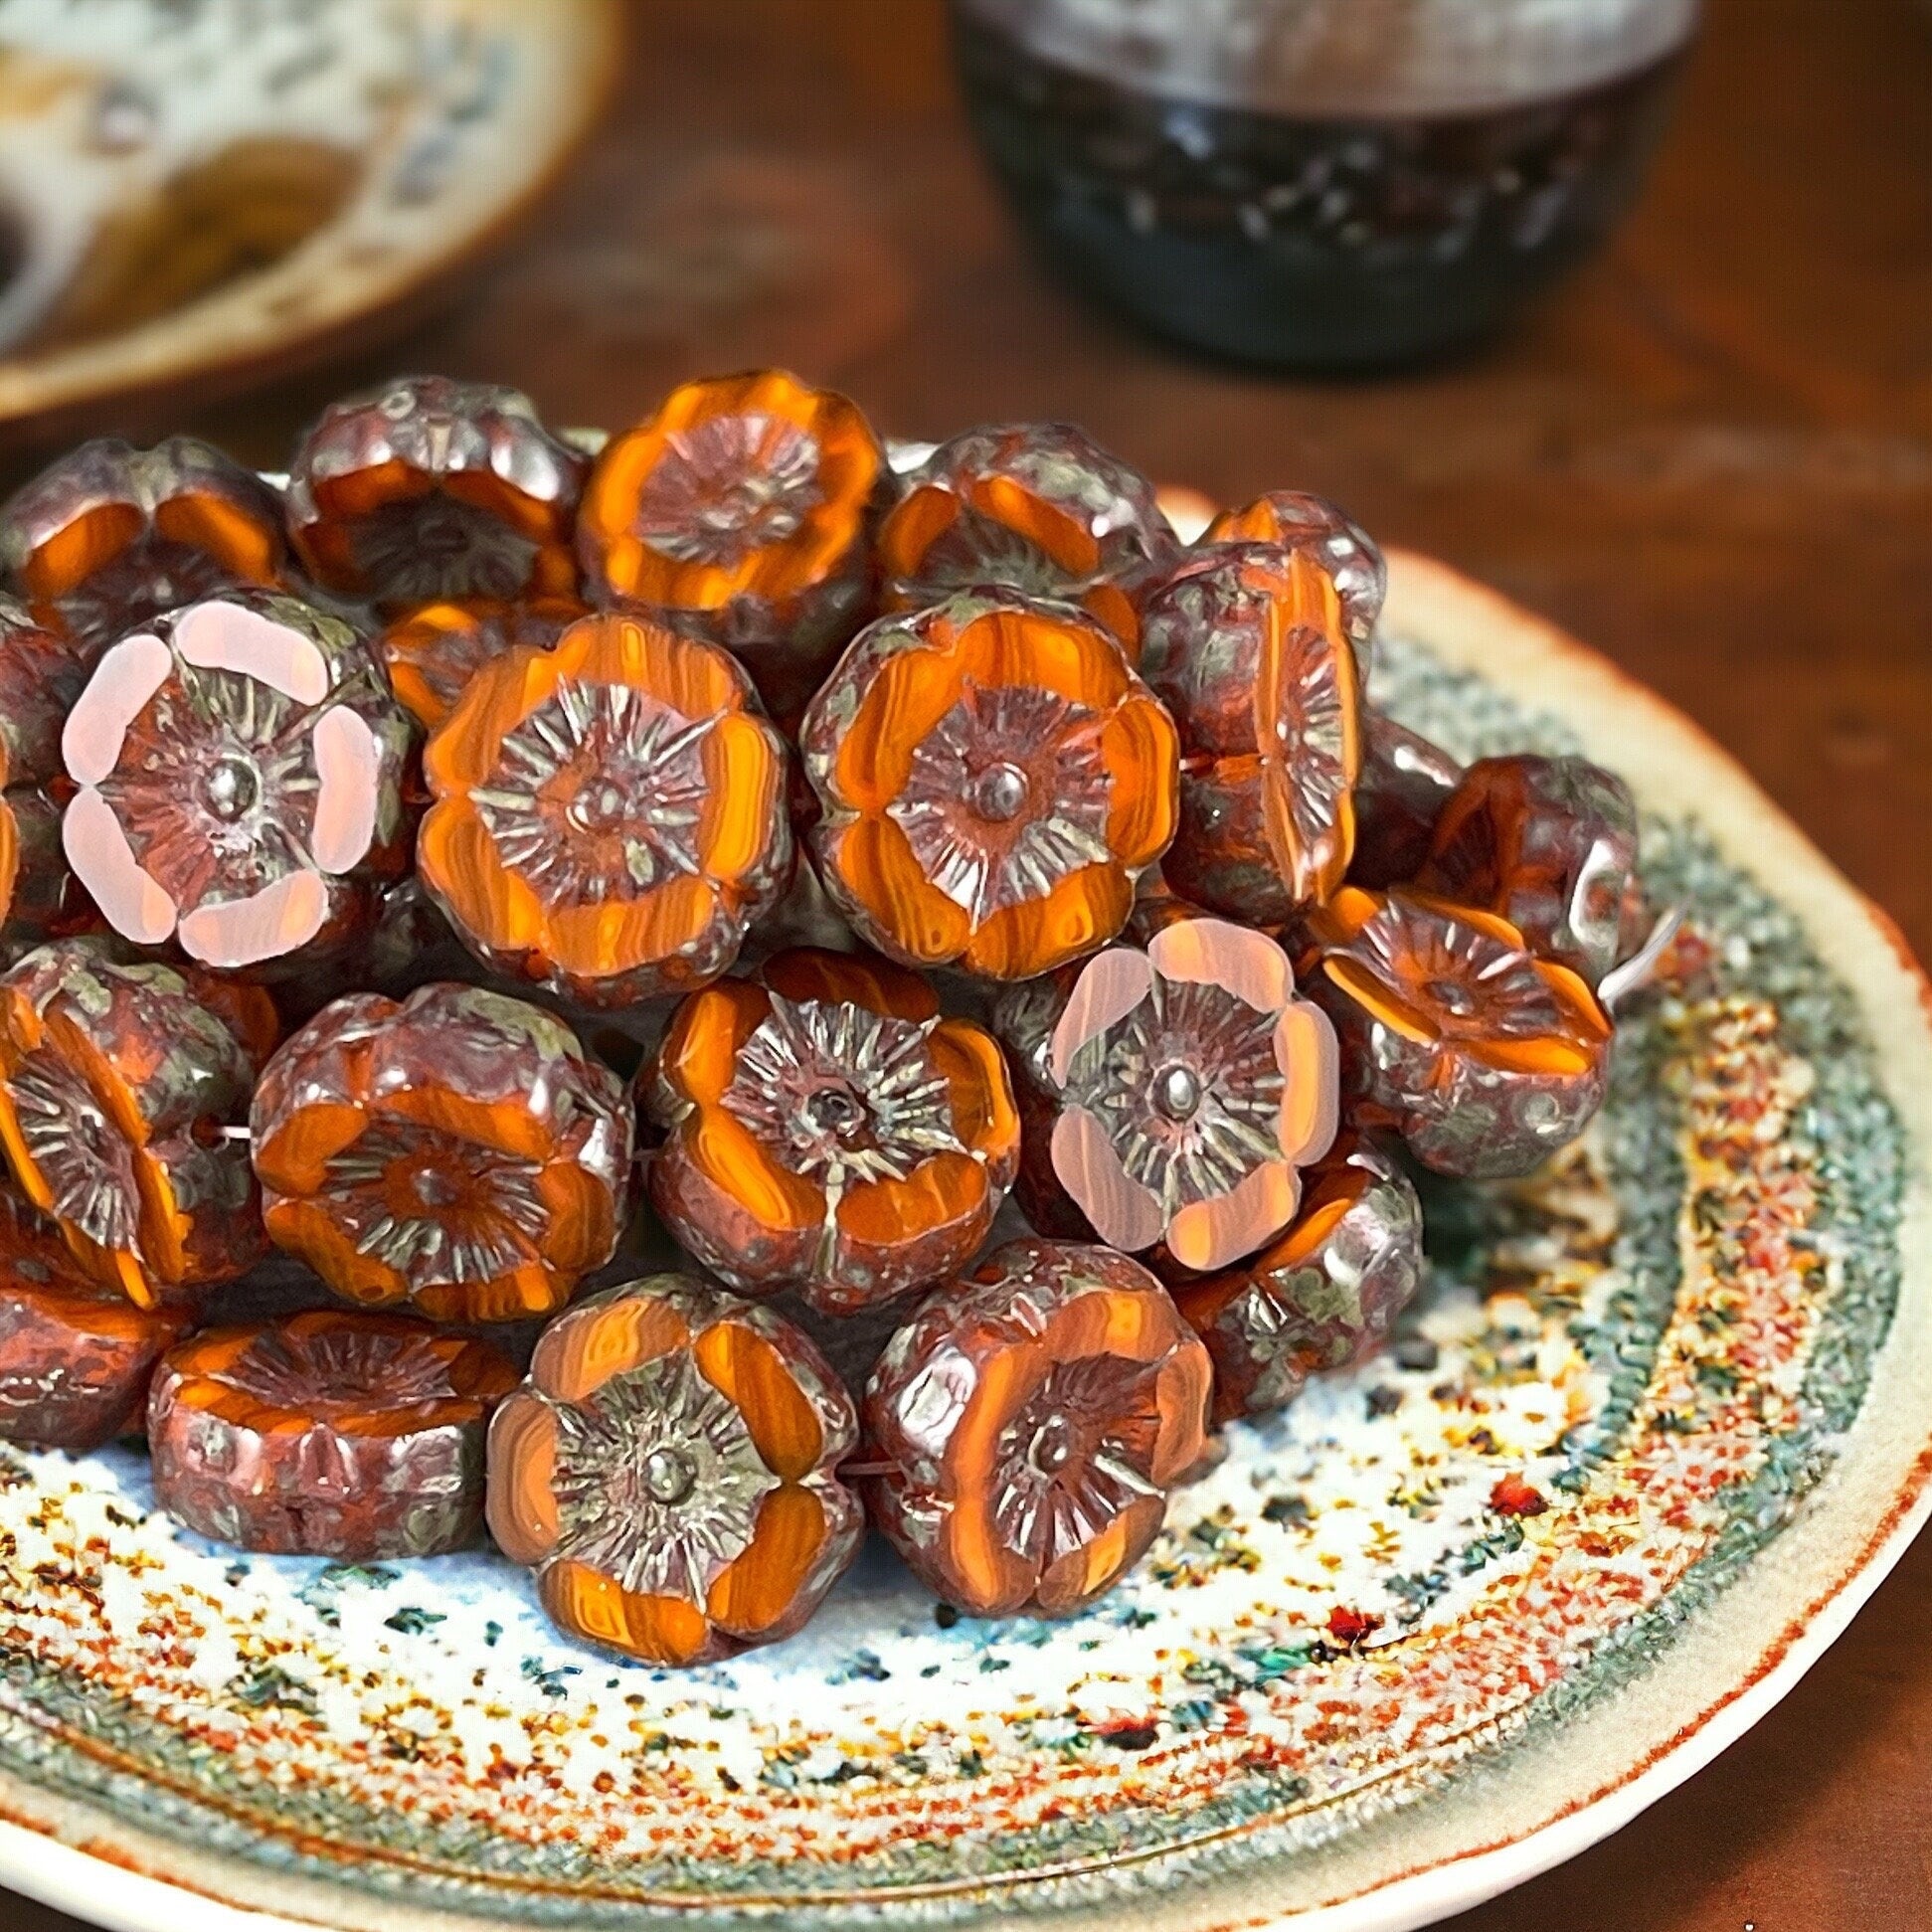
(1653, 1430)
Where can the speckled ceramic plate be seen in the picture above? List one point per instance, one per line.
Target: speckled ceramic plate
(193, 192)
(1347, 1690)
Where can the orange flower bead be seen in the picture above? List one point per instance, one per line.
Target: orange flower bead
(329, 1433)
(743, 512)
(434, 651)
(1032, 1417)
(109, 537)
(1035, 507)
(1245, 645)
(1485, 1058)
(830, 1134)
(74, 1357)
(669, 1471)
(609, 815)
(429, 488)
(993, 778)
(122, 1097)
(457, 1152)
(1294, 520)
(1322, 1296)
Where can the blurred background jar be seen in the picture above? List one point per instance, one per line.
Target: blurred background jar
(1320, 184)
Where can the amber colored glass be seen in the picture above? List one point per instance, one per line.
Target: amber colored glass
(830, 1132)
(427, 490)
(1404, 784)
(326, 1434)
(437, 648)
(1247, 645)
(109, 537)
(743, 512)
(609, 815)
(669, 1471)
(993, 776)
(1324, 1295)
(121, 1102)
(1075, 1397)
(74, 1357)
(1296, 520)
(457, 1152)
(1035, 507)
(1482, 1057)
(1549, 843)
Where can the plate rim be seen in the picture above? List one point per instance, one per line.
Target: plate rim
(77, 1858)
(65, 387)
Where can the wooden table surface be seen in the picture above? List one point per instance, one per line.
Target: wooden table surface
(1710, 455)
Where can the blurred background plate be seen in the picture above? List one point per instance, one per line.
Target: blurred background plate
(198, 192)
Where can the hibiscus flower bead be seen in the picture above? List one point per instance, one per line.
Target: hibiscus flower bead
(123, 1102)
(993, 778)
(670, 1468)
(109, 537)
(1482, 1057)
(1549, 843)
(1033, 507)
(328, 1433)
(427, 490)
(1171, 1094)
(1322, 1294)
(238, 771)
(1296, 520)
(74, 1355)
(1244, 644)
(743, 512)
(1404, 784)
(457, 1152)
(434, 650)
(1031, 1418)
(609, 815)
(830, 1132)
(43, 670)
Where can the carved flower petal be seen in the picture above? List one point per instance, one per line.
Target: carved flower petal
(1206, 1235)
(984, 1115)
(348, 766)
(609, 1335)
(700, 1052)
(744, 770)
(912, 692)
(133, 903)
(731, 1159)
(852, 979)
(758, 1589)
(1142, 751)
(1309, 1058)
(939, 1194)
(221, 637)
(458, 860)
(1083, 910)
(876, 867)
(267, 925)
(1109, 988)
(1124, 1213)
(127, 677)
(1070, 656)
(1215, 953)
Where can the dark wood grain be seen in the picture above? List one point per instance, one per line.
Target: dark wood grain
(1710, 454)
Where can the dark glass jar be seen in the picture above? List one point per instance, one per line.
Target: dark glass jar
(1321, 184)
